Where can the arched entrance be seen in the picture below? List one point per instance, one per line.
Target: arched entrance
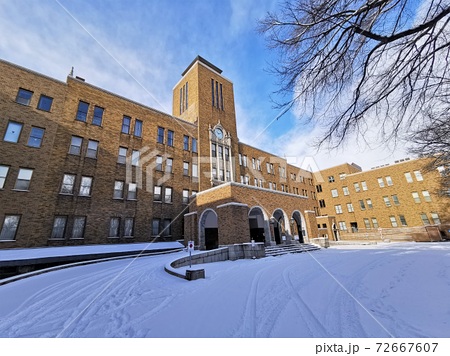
(279, 225)
(257, 224)
(299, 226)
(335, 232)
(209, 230)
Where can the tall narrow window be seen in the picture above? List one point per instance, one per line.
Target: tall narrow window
(45, 103)
(416, 197)
(338, 209)
(186, 102)
(68, 183)
(217, 94)
(334, 193)
(425, 219)
(364, 185)
(36, 136)
(356, 185)
(75, 145)
(138, 128)
(418, 176)
(24, 96)
(435, 217)
(98, 116)
(369, 203)
(362, 205)
(92, 149)
(169, 165)
(389, 181)
(393, 221)
(387, 202)
(155, 227)
(13, 131)
(159, 160)
(185, 196)
(157, 191)
(375, 223)
(244, 161)
(3, 174)
(167, 195)
(194, 145)
(213, 150)
(350, 207)
(170, 137)
(114, 227)
(85, 186)
(212, 91)
(132, 191)
(9, 227)
(126, 124)
(122, 157)
(186, 143)
(221, 97)
(79, 223)
(194, 170)
(166, 228)
(395, 199)
(160, 136)
(346, 191)
(23, 179)
(408, 177)
(426, 195)
(59, 227)
(128, 227)
(118, 189)
(186, 168)
(181, 100)
(366, 223)
(381, 182)
(82, 112)
(135, 158)
(402, 220)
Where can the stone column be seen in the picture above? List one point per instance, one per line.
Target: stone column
(233, 223)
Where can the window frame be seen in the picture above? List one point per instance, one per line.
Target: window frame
(43, 103)
(115, 192)
(65, 184)
(77, 148)
(13, 228)
(85, 189)
(126, 125)
(59, 232)
(97, 120)
(82, 115)
(9, 132)
(26, 101)
(33, 137)
(138, 128)
(168, 195)
(92, 152)
(74, 226)
(170, 138)
(3, 177)
(21, 180)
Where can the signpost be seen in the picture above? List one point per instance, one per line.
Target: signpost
(190, 249)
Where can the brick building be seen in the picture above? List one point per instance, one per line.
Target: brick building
(81, 165)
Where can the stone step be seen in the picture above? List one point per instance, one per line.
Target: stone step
(285, 249)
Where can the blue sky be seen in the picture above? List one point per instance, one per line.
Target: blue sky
(139, 49)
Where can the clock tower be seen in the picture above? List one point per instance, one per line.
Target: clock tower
(205, 97)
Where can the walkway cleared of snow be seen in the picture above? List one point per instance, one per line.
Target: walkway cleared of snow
(394, 290)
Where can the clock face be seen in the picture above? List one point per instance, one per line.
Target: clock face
(219, 133)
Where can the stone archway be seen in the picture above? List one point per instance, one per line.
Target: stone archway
(259, 225)
(335, 232)
(208, 230)
(299, 227)
(280, 225)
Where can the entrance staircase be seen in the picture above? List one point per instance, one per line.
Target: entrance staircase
(279, 250)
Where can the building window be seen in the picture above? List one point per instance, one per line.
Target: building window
(244, 161)
(186, 168)
(253, 163)
(364, 185)
(186, 143)
(342, 176)
(240, 159)
(424, 218)
(166, 230)
(79, 223)
(98, 116)
(435, 217)
(338, 209)
(160, 136)
(122, 157)
(128, 227)
(45, 103)
(213, 150)
(258, 164)
(346, 191)
(194, 170)
(23, 179)
(135, 158)
(157, 193)
(426, 195)
(395, 199)
(418, 176)
(334, 193)
(126, 124)
(13, 131)
(85, 186)
(331, 179)
(59, 227)
(369, 203)
(322, 203)
(36, 136)
(83, 108)
(356, 185)
(408, 177)
(416, 197)
(10, 227)
(167, 195)
(114, 227)
(361, 204)
(268, 167)
(155, 227)
(393, 221)
(319, 189)
(387, 202)
(170, 137)
(159, 161)
(367, 223)
(350, 207)
(138, 128)
(68, 183)
(132, 191)
(185, 196)
(194, 145)
(92, 149)
(214, 174)
(380, 182)
(261, 183)
(227, 154)
(375, 223)
(75, 145)
(389, 181)
(24, 96)
(402, 220)
(118, 189)
(342, 226)
(169, 164)
(3, 174)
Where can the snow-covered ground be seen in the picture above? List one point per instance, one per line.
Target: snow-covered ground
(400, 290)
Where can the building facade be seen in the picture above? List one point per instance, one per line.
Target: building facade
(81, 165)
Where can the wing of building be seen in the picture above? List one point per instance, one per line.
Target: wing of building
(81, 165)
